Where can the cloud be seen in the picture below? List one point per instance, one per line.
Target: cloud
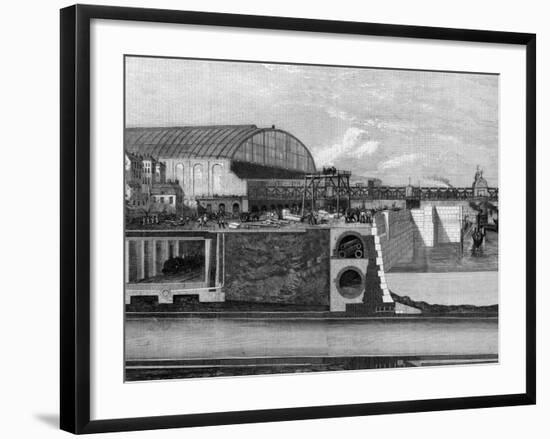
(399, 161)
(449, 119)
(352, 146)
(340, 114)
(447, 139)
(367, 148)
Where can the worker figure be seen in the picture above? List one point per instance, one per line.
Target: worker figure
(350, 216)
(221, 219)
(311, 219)
(203, 221)
(477, 237)
(370, 215)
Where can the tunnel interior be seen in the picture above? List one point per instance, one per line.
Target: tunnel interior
(350, 246)
(350, 283)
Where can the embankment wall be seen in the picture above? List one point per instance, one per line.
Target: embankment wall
(395, 230)
(437, 224)
(448, 220)
(402, 231)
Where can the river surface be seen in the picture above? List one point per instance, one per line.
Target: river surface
(479, 288)
(209, 338)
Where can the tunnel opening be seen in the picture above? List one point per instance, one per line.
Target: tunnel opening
(350, 246)
(351, 283)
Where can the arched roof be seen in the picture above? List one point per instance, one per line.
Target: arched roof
(219, 141)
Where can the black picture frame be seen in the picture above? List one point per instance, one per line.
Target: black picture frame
(75, 217)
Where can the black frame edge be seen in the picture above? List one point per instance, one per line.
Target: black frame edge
(531, 220)
(68, 388)
(75, 217)
(303, 24)
(75, 213)
(303, 413)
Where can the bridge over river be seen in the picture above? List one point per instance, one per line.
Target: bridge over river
(294, 190)
(336, 193)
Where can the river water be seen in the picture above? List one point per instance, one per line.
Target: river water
(189, 338)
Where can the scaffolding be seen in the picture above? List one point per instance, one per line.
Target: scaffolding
(331, 183)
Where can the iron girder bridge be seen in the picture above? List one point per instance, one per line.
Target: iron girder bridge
(335, 188)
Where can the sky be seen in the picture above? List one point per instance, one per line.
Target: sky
(431, 128)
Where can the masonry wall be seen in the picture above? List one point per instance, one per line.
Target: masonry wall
(467, 210)
(204, 178)
(294, 267)
(448, 220)
(439, 224)
(424, 232)
(395, 230)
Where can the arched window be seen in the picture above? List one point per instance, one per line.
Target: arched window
(198, 185)
(179, 174)
(278, 149)
(217, 179)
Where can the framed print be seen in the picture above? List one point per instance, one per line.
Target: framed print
(268, 218)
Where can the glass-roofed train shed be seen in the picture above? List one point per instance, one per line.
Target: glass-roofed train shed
(221, 166)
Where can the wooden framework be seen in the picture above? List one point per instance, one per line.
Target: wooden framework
(334, 184)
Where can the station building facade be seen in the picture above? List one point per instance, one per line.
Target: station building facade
(215, 165)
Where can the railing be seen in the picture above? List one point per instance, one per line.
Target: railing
(296, 192)
(329, 173)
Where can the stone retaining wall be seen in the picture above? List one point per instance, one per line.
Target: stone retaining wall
(395, 231)
(424, 230)
(448, 220)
